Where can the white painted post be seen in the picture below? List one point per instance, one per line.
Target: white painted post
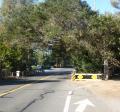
(17, 74)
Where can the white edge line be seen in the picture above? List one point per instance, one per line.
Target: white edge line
(67, 103)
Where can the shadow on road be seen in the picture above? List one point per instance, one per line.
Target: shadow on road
(64, 72)
(115, 77)
(23, 81)
(54, 73)
(58, 71)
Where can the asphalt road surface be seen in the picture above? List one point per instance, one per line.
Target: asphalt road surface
(53, 92)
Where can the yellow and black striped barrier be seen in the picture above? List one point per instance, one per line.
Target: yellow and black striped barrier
(80, 76)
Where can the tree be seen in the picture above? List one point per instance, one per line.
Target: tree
(104, 31)
(116, 3)
(93, 35)
(68, 24)
(23, 28)
(79, 36)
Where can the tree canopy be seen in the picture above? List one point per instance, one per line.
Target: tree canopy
(76, 35)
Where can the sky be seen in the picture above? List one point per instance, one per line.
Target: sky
(101, 5)
(0, 3)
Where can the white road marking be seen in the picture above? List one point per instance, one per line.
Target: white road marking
(83, 104)
(70, 92)
(67, 103)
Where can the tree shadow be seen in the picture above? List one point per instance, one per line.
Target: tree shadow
(6, 82)
(54, 73)
(28, 79)
(115, 78)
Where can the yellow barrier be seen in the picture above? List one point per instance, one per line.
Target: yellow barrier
(80, 76)
(94, 77)
(73, 77)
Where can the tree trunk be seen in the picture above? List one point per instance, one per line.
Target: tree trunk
(0, 70)
(106, 70)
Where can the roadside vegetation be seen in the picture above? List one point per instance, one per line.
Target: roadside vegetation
(60, 33)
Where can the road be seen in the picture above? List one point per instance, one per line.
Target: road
(52, 93)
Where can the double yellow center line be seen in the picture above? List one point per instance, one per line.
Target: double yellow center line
(19, 87)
